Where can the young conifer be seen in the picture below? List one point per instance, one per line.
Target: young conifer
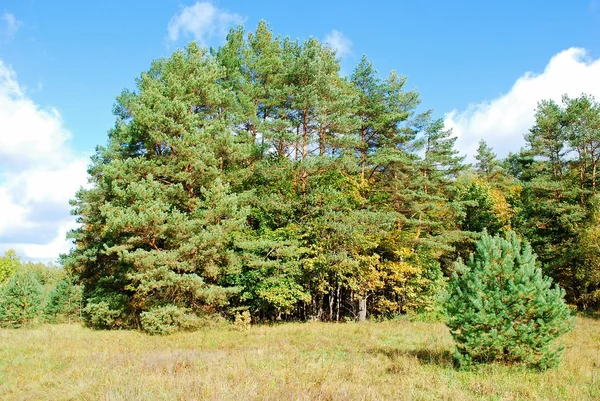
(64, 301)
(20, 299)
(501, 308)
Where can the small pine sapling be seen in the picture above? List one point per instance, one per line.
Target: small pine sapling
(500, 308)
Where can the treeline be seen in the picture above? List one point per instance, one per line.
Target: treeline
(255, 178)
(34, 292)
(558, 208)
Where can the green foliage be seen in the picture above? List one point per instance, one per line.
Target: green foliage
(106, 310)
(47, 274)
(33, 290)
(161, 219)
(487, 164)
(271, 277)
(9, 264)
(587, 271)
(168, 319)
(559, 175)
(500, 308)
(64, 301)
(20, 300)
(254, 177)
(431, 297)
(484, 206)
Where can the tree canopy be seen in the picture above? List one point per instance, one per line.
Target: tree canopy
(255, 177)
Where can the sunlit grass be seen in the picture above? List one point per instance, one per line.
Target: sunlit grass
(394, 360)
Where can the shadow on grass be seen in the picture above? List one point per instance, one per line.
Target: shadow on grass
(425, 356)
(592, 314)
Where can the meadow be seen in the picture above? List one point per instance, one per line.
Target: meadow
(400, 360)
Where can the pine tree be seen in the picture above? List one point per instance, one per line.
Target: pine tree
(559, 183)
(20, 300)
(487, 164)
(500, 307)
(437, 186)
(64, 301)
(160, 222)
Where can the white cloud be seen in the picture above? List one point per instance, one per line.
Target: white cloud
(338, 42)
(8, 25)
(503, 121)
(48, 251)
(39, 173)
(203, 22)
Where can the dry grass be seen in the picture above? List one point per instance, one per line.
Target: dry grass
(395, 360)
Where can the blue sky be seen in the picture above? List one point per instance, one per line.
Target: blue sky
(482, 65)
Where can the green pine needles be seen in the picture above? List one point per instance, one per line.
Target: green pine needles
(500, 308)
(20, 300)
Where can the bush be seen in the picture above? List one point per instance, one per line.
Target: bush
(20, 300)
(101, 316)
(106, 310)
(168, 319)
(242, 320)
(500, 308)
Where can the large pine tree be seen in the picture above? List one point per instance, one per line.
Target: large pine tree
(160, 222)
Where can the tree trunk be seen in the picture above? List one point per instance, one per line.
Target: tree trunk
(304, 149)
(594, 172)
(321, 312)
(362, 308)
(337, 316)
(363, 152)
(331, 303)
(297, 153)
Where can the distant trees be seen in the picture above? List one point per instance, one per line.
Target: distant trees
(63, 302)
(559, 175)
(9, 264)
(34, 292)
(547, 193)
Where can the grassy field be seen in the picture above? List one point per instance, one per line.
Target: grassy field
(399, 360)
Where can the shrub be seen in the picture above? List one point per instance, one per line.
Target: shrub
(168, 319)
(20, 300)
(242, 320)
(500, 308)
(106, 310)
(101, 316)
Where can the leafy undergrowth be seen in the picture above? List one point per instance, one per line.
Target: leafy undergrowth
(399, 360)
